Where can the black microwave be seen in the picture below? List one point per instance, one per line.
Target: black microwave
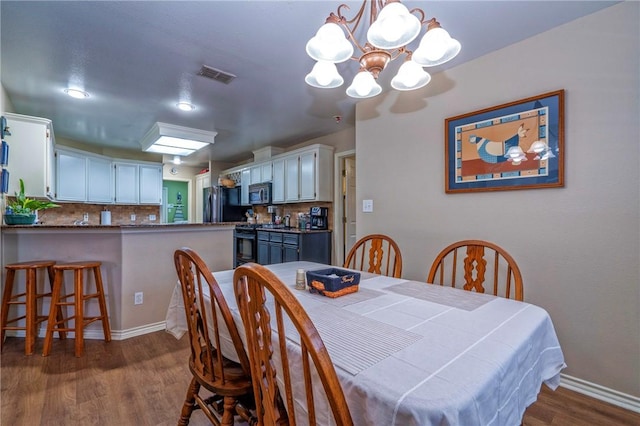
(260, 193)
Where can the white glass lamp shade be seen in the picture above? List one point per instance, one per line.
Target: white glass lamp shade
(546, 155)
(330, 44)
(410, 76)
(514, 152)
(394, 27)
(324, 75)
(436, 47)
(364, 86)
(537, 147)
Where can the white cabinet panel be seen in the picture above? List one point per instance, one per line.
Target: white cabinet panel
(71, 176)
(244, 188)
(256, 174)
(291, 176)
(150, 177)
(126, 183)
(307, 176)
(100, 180)
(277, 187)
(31, 155)
(266, 172)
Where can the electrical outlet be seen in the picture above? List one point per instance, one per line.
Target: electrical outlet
(152, 217)
(85, 217)
(133, 218)
(367, 206)
(137, 298)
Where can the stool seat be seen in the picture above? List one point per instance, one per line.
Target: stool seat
(31, 297)
(76, 301)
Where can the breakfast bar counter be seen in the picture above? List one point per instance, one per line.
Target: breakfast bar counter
(135, 258)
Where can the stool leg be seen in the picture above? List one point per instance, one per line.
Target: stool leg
(61, 334)
(51, 323)
(6, 296)
(103, 305)
(31, 312)
(79, 313)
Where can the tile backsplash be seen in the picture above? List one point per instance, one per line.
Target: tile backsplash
(68, 213)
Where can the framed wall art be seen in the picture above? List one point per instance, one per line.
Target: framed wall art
(518, 145)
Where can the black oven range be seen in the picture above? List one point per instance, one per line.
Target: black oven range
(245, 242)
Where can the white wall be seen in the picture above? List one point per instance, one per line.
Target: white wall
(577, 246)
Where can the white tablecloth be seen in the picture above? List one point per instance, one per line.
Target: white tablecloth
(410, 353)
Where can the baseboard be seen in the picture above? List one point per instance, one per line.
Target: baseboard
(97, 334)
(623, 400)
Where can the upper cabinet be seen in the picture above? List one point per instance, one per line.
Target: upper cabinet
(138, 183)
(305, 174)
(308, 175)
(100, 180)
(93, 178)
(127, 182)
(71, 176)
(150, 183)
(31, 155)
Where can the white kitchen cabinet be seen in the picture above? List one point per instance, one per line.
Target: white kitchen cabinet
(267, 172)
(255, 173)
(244, 186)
(203, 181)
(291, 179)
(126, 183)
(31, 155)
(100, 180)
(277, 187)
(150, 178)
(307, 172)
(304, 174)
(71, 176)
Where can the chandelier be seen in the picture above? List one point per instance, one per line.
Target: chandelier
(391, 28)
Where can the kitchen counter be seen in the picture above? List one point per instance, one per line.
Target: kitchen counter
(127, 226)
(135, 258)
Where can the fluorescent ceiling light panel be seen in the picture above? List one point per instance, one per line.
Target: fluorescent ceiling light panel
(175, 140)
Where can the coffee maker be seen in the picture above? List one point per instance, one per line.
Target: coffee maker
(319, 218)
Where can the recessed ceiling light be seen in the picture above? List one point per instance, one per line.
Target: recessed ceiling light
(185, 106)
(76, 93)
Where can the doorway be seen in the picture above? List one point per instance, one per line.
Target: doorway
(177, 204)
(345, 205)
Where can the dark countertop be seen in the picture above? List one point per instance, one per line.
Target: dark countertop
(293, 230)
(141, 225)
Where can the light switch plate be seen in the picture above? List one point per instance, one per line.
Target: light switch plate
(367, 206)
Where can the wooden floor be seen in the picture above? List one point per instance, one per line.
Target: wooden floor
(142, 381)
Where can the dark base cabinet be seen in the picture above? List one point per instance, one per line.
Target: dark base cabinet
(292, 246)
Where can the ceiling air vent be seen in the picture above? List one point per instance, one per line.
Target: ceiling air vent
(216, 74)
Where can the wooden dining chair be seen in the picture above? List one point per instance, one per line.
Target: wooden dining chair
(255, 288)
(477, 261)
(229, 381)
(376, 253)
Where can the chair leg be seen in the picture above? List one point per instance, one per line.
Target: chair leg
(189, 403)
(6, 296)
(229, 411)
(31, 312)
(79, 311)
(103, 305)
(52, 324)
(58, 308)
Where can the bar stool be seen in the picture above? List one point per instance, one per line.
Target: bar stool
(79, 297)
(31, 296)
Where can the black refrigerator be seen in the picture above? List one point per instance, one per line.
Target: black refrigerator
(222, 204)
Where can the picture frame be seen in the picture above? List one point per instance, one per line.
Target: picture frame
(517, 145)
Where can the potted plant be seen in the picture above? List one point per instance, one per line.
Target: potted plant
(22, 211)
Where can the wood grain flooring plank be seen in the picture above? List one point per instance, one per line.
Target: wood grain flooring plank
(143, 381)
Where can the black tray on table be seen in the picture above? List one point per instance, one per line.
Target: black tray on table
(333, 282)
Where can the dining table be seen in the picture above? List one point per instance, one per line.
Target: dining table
(411, 353)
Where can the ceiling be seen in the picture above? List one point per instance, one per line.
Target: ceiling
(138, 59)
